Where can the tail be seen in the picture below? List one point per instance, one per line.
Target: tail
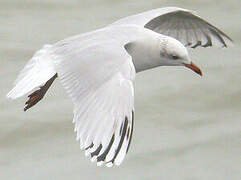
(35, 73)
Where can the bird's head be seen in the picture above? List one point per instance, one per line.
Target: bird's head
(174, 53)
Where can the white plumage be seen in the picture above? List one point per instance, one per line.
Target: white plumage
(182, 24)
(98, 68)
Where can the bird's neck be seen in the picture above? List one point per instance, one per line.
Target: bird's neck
(144, 52)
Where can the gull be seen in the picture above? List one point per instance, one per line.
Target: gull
(98, 68)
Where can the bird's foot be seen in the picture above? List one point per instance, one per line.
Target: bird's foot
(34, 98)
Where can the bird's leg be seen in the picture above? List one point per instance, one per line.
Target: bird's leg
(37, 95)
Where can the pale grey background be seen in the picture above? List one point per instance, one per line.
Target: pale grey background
(186, 127)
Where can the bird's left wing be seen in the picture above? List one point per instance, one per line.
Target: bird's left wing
(182, 24)
(99, 79)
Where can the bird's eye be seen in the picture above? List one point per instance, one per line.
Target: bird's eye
(175, 57)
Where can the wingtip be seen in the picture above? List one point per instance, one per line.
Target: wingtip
(228, 42)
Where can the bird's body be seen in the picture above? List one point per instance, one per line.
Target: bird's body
(120, 36)
(98, 69)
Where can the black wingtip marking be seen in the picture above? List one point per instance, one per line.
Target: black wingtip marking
(97, 151)
(125, 131)
(219, 37)
(128, 133)
(132, 125)
(121, 140)
(104, 154)
(90, 146)
(121, 128)
(199, 43)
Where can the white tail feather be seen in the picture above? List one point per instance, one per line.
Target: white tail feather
(35, 73)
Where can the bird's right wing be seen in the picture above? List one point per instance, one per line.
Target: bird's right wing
(99, 80)
(181, 24)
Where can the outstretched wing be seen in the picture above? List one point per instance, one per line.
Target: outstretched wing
(99, 80)
(181, 24)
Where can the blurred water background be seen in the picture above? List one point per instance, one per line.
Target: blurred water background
(186, 127)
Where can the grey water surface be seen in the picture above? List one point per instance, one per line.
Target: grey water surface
(186, 127)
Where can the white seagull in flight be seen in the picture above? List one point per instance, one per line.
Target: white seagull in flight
(98, 68)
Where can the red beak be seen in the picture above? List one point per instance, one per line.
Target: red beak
(193, 67)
